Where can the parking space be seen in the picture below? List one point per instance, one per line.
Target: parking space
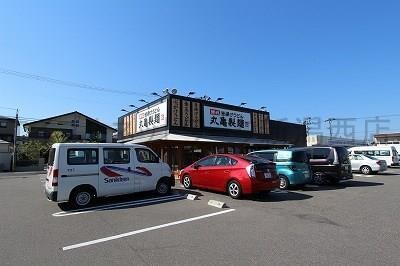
(354, 222)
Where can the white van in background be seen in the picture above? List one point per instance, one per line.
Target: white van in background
(387, 153)
(80, 172)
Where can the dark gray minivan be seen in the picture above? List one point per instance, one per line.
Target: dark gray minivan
(329, 163)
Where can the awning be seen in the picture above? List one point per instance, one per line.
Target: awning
(214, 139)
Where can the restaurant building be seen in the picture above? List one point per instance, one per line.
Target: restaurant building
(183, 129)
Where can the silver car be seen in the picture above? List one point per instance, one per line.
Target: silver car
(367, 164)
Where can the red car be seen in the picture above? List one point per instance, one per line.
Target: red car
(236, 174)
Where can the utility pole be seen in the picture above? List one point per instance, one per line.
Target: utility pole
(329, 120)
(15, 143)
(307, 123)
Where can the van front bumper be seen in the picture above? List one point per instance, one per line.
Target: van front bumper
(51, 195)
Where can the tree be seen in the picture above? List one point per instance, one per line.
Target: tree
(57, 137)
(96, 138)
(32, 150)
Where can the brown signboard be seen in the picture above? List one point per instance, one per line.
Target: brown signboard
(195, 115)
(185, 113)
(255, 123)
(175, 112)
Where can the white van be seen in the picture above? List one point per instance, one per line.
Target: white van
(387, 153)
(80, 172)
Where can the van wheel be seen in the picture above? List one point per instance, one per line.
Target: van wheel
(365, 169)
(81, 198)
(234, 190)
(318, 179)
(187, 182)
(284, 182)
(163, 187)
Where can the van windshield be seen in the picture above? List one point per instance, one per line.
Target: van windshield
(300, 157)
(52, 154)
(343, 155)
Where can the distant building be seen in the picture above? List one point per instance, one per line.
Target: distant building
(5, 155)
(75, 125)
(7, 128)
(318, 140)
(387, 138)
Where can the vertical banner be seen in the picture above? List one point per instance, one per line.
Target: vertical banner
(266, 123)
(195, 115)
(185, 113)
(255, 123)
(175, 112)
(128, 118)
(133, 124)
(260, 123)
(125, 126)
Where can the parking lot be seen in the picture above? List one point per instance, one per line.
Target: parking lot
(356, 222)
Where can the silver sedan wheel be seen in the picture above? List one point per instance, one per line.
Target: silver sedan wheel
(365, 170)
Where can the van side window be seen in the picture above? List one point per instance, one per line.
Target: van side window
(321, 153)
(116, 155)
(383, 153)
(82, 156)
(146, 156)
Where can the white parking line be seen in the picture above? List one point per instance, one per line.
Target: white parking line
(119, 205)
(100, 240)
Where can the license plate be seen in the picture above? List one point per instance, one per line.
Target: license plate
(267, 175)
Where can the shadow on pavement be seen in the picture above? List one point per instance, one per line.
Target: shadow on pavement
(279, 196)
(123, 199)
(183, 191)
(356, 183)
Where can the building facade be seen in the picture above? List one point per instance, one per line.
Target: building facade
(75, 125)
(182, 129)
(318, 140)
(7, 128)
(387, 138)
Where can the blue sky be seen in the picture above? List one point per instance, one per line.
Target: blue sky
(299, 58)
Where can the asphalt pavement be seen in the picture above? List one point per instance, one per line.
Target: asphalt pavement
(354, 223)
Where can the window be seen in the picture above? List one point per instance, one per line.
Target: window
(358, 157)
(300, 157)
(209, 161)
(75, 123)
(52, 154)
(225, 161)
(321, 153)
(146, 156)
(383, 153)
(3, 124)
(116, 155)
(266, 155)
(40, 134)
(82, 156)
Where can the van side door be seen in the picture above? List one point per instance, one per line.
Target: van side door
(79, 166)
(147, 169)
(116, 176)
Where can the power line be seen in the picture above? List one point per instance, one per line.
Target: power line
(66, 83)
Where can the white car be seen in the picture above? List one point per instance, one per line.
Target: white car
(80, 172)
(367, 164)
